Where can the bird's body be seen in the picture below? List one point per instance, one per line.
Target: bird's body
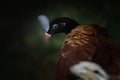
(85, 43)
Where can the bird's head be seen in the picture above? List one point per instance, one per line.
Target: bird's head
(62, 25)
(58, 25)
(88, 71)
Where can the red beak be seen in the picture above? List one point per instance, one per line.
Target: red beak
(47, 36)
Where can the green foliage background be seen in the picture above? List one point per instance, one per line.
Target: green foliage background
(25, 55)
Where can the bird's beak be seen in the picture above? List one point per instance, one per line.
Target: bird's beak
(47, 36)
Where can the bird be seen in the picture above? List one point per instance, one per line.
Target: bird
(86, 70)
(89, 42)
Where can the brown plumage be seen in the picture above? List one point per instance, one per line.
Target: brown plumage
(84, 43)
(88, 43)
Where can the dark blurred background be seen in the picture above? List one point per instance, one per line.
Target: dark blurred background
(25, 55)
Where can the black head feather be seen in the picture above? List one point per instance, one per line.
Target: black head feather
(62, 25)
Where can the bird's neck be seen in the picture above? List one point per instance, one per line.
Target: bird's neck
(70, 28)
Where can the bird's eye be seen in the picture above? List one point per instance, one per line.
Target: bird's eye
(55, 26)
(63, 24)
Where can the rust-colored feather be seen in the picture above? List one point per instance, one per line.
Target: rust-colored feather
(88, 43)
